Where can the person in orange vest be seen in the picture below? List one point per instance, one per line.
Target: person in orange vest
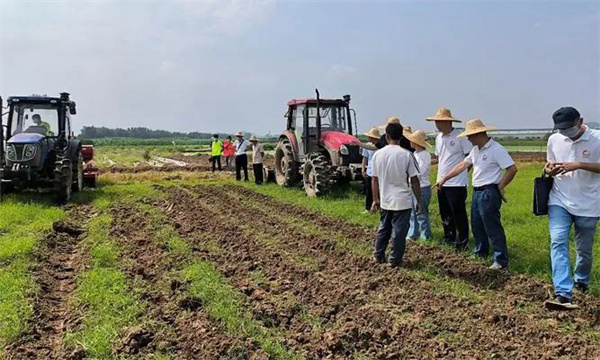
(228, 153)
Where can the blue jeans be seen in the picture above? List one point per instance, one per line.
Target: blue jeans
(419, 223)
(398, 222)
(487, 226)
(560, 222)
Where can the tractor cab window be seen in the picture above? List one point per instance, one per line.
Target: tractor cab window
(34, 118)
(332, 117)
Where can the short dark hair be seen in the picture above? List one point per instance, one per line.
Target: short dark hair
(394, 131)
(229, 137)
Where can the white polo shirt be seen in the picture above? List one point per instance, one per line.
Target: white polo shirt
(577, 191)
(424, 162)
(241, 147)
(488, 163)
(393, 166)
(451, 151)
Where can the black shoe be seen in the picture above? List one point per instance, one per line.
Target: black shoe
(560, 303)
(395, 264)
(581, 287)
(377, 260)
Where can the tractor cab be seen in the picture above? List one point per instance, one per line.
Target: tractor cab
(39, 150)
(318, 144)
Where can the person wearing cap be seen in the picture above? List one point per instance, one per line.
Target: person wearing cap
(241, 158)
(258, 154)
(367, 167)
(574, 163)
(216, 147)
(393, 168)
(420, 226)
(228, 153)
(488, 159)
(452, 196)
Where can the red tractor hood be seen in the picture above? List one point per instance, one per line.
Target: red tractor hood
(334, 139)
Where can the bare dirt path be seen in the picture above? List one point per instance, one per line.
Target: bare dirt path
(340, 305)
(60, 260)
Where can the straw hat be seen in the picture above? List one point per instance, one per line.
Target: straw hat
(418, 137)
(239, 133)
(254, 138)
(442, 114)
(406, 129)
(390, 120)
(475, 126)
(373, 133)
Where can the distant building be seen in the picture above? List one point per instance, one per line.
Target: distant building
(593, 125)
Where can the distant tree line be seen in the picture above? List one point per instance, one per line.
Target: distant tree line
(93, 132)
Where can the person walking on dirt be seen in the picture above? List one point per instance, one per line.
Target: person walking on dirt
(228, 153)
(574, 163)
(258, 154)
(216, 147)
(367, 167)
(420, 227)
(393, 166)
(452, 196)
(488, 159)
(241, 158)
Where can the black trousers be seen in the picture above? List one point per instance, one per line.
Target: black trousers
(369, 193)
(241, 163)
(216, 160)
(258, 173)
(453, 211)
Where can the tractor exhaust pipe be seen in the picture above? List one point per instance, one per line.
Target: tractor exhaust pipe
(318, 116)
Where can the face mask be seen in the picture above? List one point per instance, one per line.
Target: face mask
(570, 132)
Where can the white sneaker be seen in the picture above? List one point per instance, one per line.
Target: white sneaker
(496, 266)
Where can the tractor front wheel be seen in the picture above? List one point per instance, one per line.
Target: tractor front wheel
(317, 175)
(287, 172)
(63, 181)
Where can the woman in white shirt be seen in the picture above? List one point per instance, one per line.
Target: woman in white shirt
(419, 223)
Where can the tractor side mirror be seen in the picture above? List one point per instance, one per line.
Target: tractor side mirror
(72, 109)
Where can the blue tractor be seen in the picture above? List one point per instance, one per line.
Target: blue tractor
(38, 149)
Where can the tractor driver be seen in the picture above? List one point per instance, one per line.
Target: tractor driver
(37, 120)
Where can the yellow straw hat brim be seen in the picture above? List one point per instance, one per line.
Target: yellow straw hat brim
(417, 141)
(476, 131)
(433, 118)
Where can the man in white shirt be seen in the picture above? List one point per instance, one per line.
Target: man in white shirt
(574, 162)
(488, 159)
(420, 226)
(451, 151)
(393, 167)
(241, 158)
(367, 167)
(258, 153)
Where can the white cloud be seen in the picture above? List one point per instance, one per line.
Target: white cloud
(342, 70)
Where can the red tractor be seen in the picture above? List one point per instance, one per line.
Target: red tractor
(318, 147)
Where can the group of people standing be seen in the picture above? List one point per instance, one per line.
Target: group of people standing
(236, 152)
(396, 167)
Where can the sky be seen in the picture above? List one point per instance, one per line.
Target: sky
(223, 66)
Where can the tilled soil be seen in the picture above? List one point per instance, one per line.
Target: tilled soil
(60, 260)
(174, 323)
(332, 303)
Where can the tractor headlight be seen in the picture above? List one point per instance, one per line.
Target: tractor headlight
(29, 151)
(11, 153)
(344, 150)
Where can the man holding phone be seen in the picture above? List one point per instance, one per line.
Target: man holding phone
(574, 162)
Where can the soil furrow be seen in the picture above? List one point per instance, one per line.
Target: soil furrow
(60, 260)
(175, 323)
(418, 318)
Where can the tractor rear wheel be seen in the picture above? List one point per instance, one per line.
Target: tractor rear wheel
(287, 170)
(63, 181)
(78, 170)
(317, 175)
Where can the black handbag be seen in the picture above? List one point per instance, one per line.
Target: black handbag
(541, 194)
